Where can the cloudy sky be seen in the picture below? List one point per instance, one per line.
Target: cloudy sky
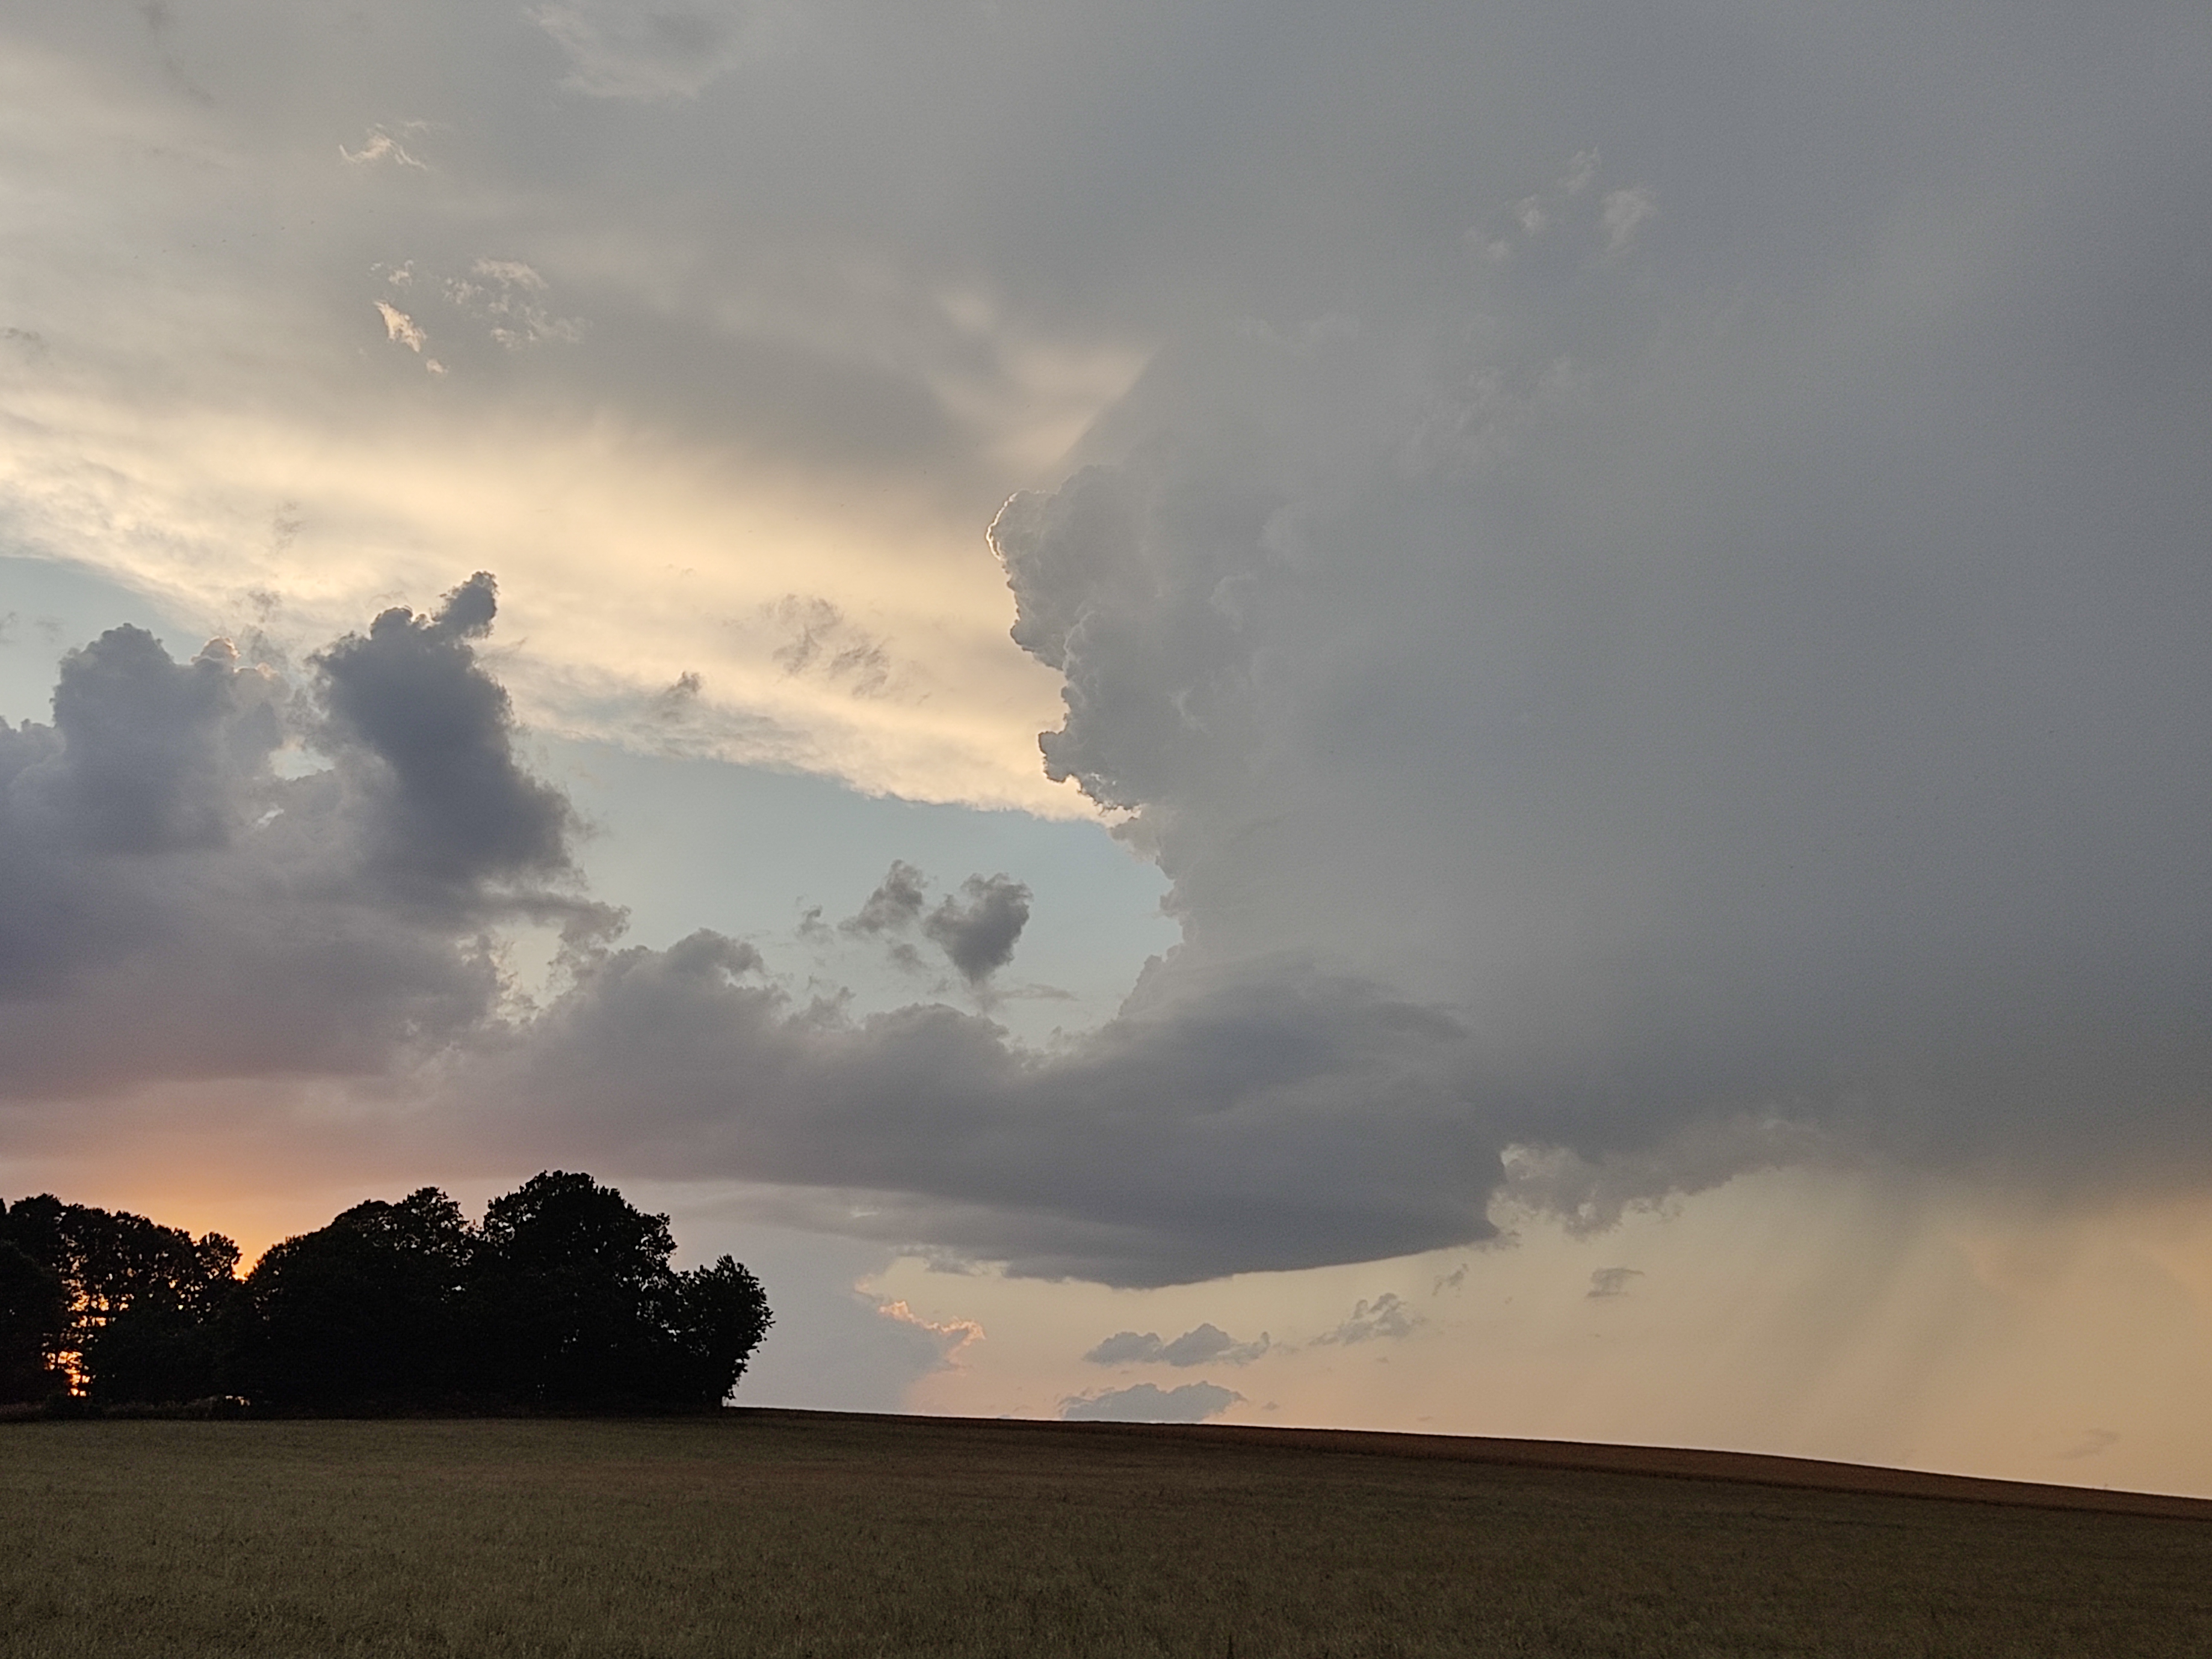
(1616, 597)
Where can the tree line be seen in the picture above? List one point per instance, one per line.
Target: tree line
(561, 1299)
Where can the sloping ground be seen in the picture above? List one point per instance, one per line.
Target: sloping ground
(1745, 1468)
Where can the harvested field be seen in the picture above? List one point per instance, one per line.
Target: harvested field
(806, 1534)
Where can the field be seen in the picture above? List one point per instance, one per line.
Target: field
(798, 1534)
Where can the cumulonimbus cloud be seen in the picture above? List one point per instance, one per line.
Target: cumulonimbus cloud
(1705, 887)
(1266, 1098)
(1631, 679)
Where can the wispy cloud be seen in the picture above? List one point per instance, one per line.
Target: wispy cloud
(505, 294)
(650, 49)
(400, 327)
(1625, 210)
(953, 1336)
(381, 145)
(1387, 1318)
(403, 330)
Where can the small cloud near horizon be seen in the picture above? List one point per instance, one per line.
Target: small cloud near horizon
(1146, 1402)
(1387, 1318)
(1205, 1344)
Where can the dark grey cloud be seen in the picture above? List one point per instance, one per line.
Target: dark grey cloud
(893, 908)
(821, 177)
(679, 701)
(895, 905)
(151, 756)
(1506, 869)
(1212, 1127)
(979, 930)
(820, 639)
(1127, 1348)
(1147, 1402)
(172, 907)
(2092, 1443)
(1612, 1281)
(1206, 1344)
(427, 737)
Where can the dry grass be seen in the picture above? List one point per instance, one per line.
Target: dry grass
(790, 1534)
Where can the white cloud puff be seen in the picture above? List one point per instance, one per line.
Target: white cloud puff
(401, 329)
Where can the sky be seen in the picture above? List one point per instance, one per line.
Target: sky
(1479, 719)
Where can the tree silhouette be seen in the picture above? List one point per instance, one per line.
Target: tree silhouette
(563, 1299)
(364, 1313)
(34, 1323)
(590, 1315)
(725, 1316)
(139, 1301)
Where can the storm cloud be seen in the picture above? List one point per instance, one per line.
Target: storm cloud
(1768, 770)
(1648, 597)
(1264, 1099)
